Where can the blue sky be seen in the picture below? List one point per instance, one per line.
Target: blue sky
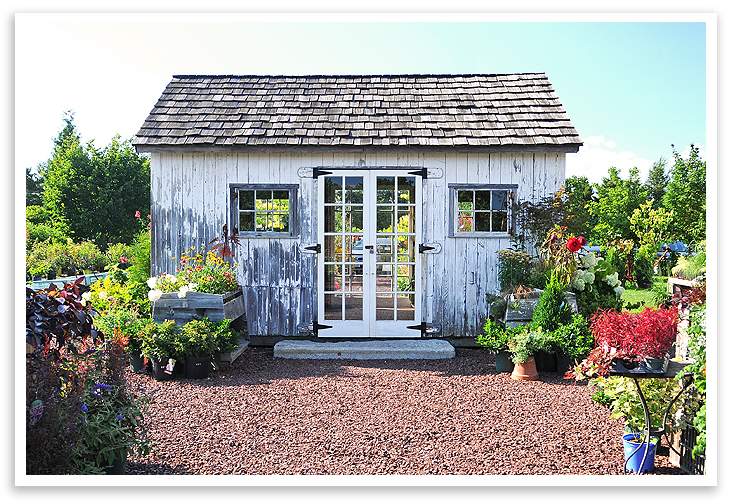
(632, 89)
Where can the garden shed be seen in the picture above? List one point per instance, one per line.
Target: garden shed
(366, 206)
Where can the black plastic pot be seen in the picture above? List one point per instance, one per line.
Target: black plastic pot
(197, 367)
(546, 363)
(158, 370)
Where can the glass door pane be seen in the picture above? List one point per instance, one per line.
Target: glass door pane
(343, 233)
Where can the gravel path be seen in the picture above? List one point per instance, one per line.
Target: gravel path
(263, 415)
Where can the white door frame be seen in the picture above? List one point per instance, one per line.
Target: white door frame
(346, 264)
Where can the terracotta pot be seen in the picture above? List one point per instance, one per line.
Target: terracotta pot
(526, 370)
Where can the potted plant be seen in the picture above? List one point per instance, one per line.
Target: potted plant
(572, 342)
(636, 337)
(198, 343)
(525, 343)
(161, 345)
(495, 340)
(226, 340)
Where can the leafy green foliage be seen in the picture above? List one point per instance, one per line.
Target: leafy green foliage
(574, 339)
(33, 188)
(656, 182)
(514, 267)
(644, 266)
(596, 285)
(695, 405)
(160, 341)
(226, 337)
(624, 400)
(495, 338)
(686, 196)
(527, 341)
(552, 310)
(198, 338)
(651, 225)
(579, 192)
(616, 200)
(95, 192)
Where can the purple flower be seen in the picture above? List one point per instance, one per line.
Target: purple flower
(102, 386)
(121, 415)
(83, 407)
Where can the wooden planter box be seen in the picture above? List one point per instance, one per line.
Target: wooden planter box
(196, 305)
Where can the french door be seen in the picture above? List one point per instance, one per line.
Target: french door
(369, 277)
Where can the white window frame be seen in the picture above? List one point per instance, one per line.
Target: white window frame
(236, 188)
(454, 190)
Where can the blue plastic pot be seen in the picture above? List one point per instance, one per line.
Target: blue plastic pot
(634, 453)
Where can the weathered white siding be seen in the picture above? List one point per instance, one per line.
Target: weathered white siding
(191, 192)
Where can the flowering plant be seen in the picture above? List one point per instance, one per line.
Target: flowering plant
(205, 275)
(514, 267)
(596, 285)
(110, 414)
(558, 250)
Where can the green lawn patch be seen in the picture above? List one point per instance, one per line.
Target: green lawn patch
(643, 296)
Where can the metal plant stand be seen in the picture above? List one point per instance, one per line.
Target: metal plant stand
(670, 370)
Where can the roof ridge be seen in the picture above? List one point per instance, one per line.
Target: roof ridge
(357, 75)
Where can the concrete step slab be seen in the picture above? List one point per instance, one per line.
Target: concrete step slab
(370, 349)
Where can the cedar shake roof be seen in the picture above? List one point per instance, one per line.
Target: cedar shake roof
(517, 111)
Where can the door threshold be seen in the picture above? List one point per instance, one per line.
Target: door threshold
(365, 349)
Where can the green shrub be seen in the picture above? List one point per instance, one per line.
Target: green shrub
(87, 256)
(495, 338)
(624, 400)
(528, 340)
(125, 319)
(552, 310)
(644, 267)
(226, 338)
(160, 341)
(574, 339)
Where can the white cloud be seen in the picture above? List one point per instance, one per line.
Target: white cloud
(595, 158)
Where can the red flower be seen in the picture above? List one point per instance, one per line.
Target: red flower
(137, 215)
(582, 240)
(574, 244)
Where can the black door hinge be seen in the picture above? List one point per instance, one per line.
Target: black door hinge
(426, 328)
(424, 247)
(421, 172)
(318, 171)
(316, 327)
(317, 248)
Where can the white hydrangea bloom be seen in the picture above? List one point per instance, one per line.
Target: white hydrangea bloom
(152, 282)
(192, 286)
(154, 295)
(619, 291)
(579, 284)
(589, 277)
(590, 259)
(183, 292)
(612, 280)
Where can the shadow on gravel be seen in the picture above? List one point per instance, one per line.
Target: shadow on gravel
(258, 366)
(154, 468)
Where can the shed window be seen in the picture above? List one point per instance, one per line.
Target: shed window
(481, 210)
(265, 209)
